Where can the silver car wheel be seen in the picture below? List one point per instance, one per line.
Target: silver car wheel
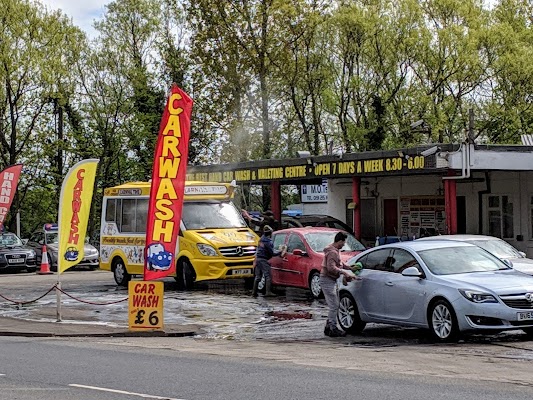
(346, 313)
(442, 321)
(315, 287)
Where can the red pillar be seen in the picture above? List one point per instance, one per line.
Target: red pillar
(356, 195)
(275, 200)
(450, 204)
(453, 206)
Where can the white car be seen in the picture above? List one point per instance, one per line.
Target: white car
(500, 248)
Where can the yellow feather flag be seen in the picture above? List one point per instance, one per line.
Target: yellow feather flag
(74, 209)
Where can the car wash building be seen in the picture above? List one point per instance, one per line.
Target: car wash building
(412, 192)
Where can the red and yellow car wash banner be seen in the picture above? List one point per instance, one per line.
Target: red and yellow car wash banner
(9, 179)
(168, 185)
(74, 209)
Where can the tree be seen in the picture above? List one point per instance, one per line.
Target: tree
(508, 112)
(36, 49)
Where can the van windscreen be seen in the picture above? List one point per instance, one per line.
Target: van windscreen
(211, 215)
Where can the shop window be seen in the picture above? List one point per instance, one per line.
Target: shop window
(500, 216)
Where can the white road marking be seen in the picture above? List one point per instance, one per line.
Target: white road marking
(146, 396)
(2, 374)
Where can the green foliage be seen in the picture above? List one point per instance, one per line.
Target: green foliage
(268, 78)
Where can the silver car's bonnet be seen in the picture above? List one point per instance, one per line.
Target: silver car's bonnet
(500, 282)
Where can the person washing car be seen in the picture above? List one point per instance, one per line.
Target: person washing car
(332, 268)
(265, 251)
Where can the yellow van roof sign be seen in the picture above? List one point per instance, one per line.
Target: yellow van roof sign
(206, 189)
(194, 190)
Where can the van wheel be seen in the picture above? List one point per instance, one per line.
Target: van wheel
(120, 273)
(314, 285)
(185, 275)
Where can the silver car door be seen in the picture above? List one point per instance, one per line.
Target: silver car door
(404, 295)
(370, 289)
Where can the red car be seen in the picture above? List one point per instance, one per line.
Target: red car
(301, 265)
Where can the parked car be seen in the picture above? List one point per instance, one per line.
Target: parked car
(447, 286)
(14, 255)
(500, 248)
(300, 267)
(49, 236)
(298, 221)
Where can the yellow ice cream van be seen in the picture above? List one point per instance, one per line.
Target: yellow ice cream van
(214, 241)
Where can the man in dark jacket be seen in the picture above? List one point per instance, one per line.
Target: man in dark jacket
(265, 251)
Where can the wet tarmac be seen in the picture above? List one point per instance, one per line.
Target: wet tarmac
(224, 310)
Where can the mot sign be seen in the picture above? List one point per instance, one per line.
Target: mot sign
(315, 193)
(145, 305)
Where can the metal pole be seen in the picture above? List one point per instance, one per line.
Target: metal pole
(18, 223)
(58, 297)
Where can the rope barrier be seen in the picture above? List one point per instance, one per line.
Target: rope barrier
(30, 301)
(91, 302)
(20, 303)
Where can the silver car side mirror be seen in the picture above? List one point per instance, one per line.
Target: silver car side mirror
(412, 271)
(509, 263)
(522, 254)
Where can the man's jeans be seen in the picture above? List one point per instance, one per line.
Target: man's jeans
(328, 286)
(262, 267)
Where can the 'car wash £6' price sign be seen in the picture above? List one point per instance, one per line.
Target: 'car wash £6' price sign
(145, 299)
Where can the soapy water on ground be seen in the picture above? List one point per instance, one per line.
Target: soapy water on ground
(224, 310)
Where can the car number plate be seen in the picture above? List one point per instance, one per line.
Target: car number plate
(16, 260)
(525, 316)
(242, 271)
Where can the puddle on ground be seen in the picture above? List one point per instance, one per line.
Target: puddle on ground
(226, 311)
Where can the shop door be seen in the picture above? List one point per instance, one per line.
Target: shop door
(390, 217)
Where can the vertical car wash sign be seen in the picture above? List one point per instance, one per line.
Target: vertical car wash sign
(168, 185)
(74, 209)
(9, 179)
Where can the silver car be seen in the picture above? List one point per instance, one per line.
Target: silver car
(448, 287)
(500, 248)
(50, 239)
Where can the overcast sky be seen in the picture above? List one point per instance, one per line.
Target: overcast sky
(82, 12)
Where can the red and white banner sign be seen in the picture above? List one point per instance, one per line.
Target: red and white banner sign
(168, 185)
(9, 179)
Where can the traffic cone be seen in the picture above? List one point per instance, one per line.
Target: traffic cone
(45, 266)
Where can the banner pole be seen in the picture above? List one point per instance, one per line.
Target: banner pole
(18, 223)
(58, 284)
(58, 298)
